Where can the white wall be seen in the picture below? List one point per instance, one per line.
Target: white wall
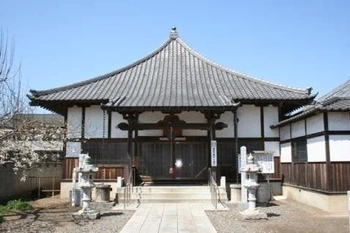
(94, 122)
(339, 147)
(273, 146)
(315, 124)
(115, 132)
(270, 118)
(298, 129)
(74, 117)
(249, 121)
(316, 149)
(285, 132)
(151, 117)
(339, 120)
(193, 117)
(73, 149)
(228, 132)
(286, 153)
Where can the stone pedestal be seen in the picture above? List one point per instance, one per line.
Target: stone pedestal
(103, 193)
(235, 192)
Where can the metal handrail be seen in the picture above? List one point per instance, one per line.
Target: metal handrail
(213, 189)
(128, 188)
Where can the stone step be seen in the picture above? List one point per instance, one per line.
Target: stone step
(163, 194)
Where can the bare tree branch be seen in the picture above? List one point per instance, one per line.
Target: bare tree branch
(20, 135)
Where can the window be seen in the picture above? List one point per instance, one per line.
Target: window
(299, 150)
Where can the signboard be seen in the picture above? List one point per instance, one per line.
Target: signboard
(214, 155)
(265, 162)
(262, 159)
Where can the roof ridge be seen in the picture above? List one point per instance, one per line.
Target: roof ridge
(331, 94)
(104, 76)
(249, 77)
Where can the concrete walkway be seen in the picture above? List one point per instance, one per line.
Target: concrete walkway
(171, 218)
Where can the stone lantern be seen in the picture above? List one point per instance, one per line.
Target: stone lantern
(85, 183)
(251, 169)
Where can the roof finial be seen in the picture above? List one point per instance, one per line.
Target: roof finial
(173, 33)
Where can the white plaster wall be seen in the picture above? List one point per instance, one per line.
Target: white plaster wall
(286, 152)
(193, 117)
(151, 117)
(285, 132)
(339, 120)
(73, 149)
(298, 129)
(249, 121)
(274, 147)
(316, 149)
(314, 124)
(270, 118)
(115, 132)
(339, 147)
(228, 132)
(74, 117)
(94, 122)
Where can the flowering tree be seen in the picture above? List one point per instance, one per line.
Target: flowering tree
(20, 137)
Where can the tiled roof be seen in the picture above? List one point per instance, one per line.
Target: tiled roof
(336, 100)
(173, 76)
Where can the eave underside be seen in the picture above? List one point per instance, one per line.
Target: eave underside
(60, 107)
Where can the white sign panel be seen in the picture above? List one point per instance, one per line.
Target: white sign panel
(263, 160)
(214, 155)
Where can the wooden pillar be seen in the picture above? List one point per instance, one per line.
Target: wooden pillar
(328, 156)
(211, 118)
(136, 143)
(131, 118)
(235, 132)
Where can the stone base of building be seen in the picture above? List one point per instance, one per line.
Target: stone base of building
(326, 202)
(89, 215)
(253, 215)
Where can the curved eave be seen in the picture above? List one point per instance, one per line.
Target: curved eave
(99, 78)
(60, 107)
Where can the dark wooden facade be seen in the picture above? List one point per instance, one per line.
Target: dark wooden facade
(314, 176)
(105, 172)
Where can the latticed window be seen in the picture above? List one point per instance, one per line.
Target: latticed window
(299, 150)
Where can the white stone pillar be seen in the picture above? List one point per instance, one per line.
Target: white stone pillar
(223, 181)
(244, 191)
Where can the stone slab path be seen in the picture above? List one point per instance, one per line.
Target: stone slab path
(171, 218)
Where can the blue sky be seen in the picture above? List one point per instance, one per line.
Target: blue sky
(295, 43)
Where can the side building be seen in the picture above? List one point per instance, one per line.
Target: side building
(160, 113)
(315, 152)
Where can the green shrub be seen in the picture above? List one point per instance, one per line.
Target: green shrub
(15, 205)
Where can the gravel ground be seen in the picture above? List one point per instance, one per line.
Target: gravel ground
(53, 215)
(283, 216)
